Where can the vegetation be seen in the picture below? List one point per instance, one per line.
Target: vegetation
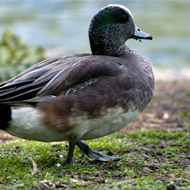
(151, 160)
(15, 56)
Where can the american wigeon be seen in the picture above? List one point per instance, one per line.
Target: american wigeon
(83, 96)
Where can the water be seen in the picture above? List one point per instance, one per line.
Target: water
(63, 25)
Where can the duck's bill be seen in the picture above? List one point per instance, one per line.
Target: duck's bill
(139, 34)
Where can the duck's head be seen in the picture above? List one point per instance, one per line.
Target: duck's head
(110, 28)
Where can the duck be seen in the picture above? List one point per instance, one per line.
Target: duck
(77, 97)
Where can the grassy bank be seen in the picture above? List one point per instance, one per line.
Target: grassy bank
(154, 151)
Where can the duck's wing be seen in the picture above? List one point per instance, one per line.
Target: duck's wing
(55, 76)
(84, 70)
(23, 86)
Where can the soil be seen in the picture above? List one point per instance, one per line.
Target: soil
(169, 104)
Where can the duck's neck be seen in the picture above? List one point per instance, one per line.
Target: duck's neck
(105, 43)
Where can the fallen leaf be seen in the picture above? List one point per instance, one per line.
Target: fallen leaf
(77, 181)
(35, 168)
(48, 184)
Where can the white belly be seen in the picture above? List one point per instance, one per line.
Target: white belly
(108, 124)
(26, 123)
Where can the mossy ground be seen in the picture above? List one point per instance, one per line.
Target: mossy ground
(154, 150)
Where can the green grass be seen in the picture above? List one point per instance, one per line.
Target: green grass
(151, 160)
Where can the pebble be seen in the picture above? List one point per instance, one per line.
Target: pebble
(171, 187)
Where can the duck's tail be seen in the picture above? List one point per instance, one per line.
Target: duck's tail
(5, 116)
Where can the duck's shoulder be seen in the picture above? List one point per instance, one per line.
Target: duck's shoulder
(137, 64)
(133, 58)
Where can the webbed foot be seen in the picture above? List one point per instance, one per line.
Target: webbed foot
(95, 154)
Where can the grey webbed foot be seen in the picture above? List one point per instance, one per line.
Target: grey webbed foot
(95, 154)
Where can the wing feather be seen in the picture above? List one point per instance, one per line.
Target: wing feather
(56, 76)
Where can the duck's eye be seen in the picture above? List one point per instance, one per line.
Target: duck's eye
(122, 19)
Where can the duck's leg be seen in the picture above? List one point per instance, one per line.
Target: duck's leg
(72, 143)
(95, 154)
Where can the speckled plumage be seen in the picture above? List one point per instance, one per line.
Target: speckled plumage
(102, 31)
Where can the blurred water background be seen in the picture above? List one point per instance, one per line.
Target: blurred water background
(62, 26)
